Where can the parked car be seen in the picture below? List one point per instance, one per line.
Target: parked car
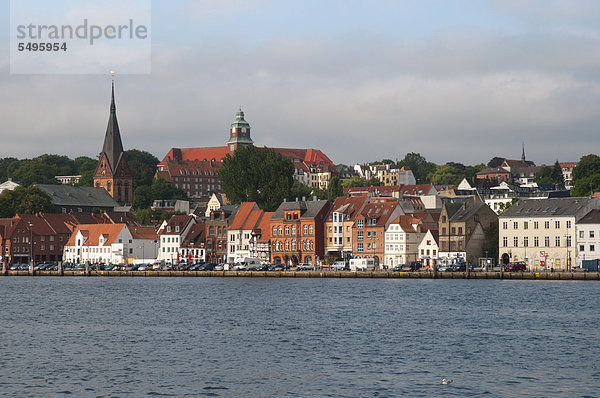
(304, 267)
(412, 266)
(515, 267)
(397, 268)
(460, 267)
(444, 267)
(338, 266)
(277, 267)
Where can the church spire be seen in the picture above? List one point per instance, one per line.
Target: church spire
(113, 147)
(523, 153)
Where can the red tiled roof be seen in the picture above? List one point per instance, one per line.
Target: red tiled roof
(265, 226)
(242, 215)
(93, 232)
(378, 211)
(355, 204)
(143, 232)
(416, 190)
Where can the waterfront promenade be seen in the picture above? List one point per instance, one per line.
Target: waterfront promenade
(589, 276)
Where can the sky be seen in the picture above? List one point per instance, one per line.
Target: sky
(454, 80)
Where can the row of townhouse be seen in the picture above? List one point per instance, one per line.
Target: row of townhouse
(43, 237)
(557, 233)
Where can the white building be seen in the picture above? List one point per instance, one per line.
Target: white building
(110, 244)
(8, 185)
(429, 249)
(172, 234)
(588, 237)
(542, 232)
(240, 232)
(402, 238)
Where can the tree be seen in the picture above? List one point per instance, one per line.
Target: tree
(490, 243)
(446, 175)
(586, 176)
(258, 175)
(24, 200)
(419, 166)
(86, 167)
(142, 165)
(471, 171)
(335, 189)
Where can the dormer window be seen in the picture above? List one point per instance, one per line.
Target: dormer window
(168, 228)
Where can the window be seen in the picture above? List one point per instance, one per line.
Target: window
(443, 218)
(443, 230)
(360, 247)
(547, 241)
(525, 225)
(305, 229)
(310, 229)
(374, 246)
(557, 224)
(287, 230)
(536, 225)
(368, 234)
(591, 234)
(504, 242)
(274, 230)
(569, 224)
(557, 241)
(536, 241)
(359, 235)
(581, 248)
(568, 241)
(460, 230)
(329, 229)
(516, 242)
(581, 234)
(294, 230)
(453, 230)
(592, 248)
(359, 224)
(515, 225)
(526, 242)
(546, 224)
(279, 230)
(504, 225)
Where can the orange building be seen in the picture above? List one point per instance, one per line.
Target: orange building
(297, 232)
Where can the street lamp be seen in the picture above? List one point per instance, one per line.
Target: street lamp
(30, 246)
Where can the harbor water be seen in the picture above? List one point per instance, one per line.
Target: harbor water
(296, 337)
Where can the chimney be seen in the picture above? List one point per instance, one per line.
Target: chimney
(315, 198)
(304, 198)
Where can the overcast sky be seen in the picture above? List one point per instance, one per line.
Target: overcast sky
(462, 81)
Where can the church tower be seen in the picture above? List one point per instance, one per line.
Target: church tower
(113, 173)
(239, 134)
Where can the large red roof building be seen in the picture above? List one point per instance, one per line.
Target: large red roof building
(194, 170)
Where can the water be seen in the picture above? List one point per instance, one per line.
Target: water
(259, 337)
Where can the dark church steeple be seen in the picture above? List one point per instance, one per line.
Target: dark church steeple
(113, 172)
(523, 153)
(113, 147)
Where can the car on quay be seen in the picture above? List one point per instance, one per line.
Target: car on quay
(515, 267)
(412, 266)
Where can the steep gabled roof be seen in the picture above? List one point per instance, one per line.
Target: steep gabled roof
(242, 215)
(93, 232)
(380, 211)
(264, 227)
(350, 206)
(309, 209)
(139, 232)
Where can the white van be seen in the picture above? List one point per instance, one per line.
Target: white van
(362, 264)
(247, 264)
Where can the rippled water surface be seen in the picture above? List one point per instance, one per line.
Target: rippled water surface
(259, 337)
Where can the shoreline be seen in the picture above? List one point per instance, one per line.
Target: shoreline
(581, 276)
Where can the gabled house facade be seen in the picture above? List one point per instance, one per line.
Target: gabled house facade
(370, 226)
(429, 249)
(339, 227)
(402, 238)
(297, 232)
(461, 230)
(239, 232)
(172, 234)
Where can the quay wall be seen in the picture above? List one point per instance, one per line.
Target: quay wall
(587, 276)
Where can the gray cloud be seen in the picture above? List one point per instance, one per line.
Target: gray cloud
(463, 96)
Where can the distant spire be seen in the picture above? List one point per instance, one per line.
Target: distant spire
(523, 153)
(113, 147)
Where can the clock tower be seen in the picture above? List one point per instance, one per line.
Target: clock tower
(239, 133)
(113, 173)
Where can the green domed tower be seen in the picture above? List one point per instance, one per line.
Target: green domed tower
(239, 134)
